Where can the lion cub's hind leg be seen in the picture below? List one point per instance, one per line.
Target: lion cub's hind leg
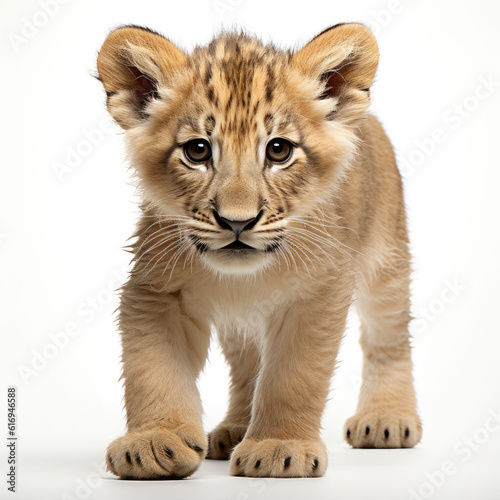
(386, 415)
(243, 359)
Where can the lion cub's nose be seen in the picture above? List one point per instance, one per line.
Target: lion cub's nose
(237, 226)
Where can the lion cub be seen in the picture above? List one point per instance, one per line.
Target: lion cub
(271, 203)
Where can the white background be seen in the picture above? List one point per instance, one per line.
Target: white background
(61, 238)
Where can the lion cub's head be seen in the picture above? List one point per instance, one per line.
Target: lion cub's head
(238, 140)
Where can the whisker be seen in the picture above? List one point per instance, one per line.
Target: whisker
(285, 246)
(179, 252)
(160, 256)
(166, 239)
(299, 247)
(321, 239)
(318, 246)
(153, 237)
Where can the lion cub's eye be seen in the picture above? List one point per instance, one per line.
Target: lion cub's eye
(198, 150)
(279, 150)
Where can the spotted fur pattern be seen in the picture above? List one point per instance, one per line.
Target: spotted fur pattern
(272, 253)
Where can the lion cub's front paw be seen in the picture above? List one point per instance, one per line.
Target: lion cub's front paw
(279, 458)
(387, 430)
(157, 453)
(223, 439)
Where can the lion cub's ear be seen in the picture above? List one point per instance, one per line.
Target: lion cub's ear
(343, 59)
(132, 64)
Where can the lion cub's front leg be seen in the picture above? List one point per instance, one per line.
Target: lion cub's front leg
(242, 356)
(297, 363)
(163, 352)
(386, 416)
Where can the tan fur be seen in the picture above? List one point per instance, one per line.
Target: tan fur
(331, 231)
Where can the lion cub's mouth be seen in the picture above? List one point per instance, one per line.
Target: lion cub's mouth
(237, 245)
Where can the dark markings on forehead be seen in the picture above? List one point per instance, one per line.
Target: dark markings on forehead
(268, 123)
(209, 125)
(244, 128)
(190, 121)
(231, 61)
(270, 83)
(208, 73)
(210, 93)
(227, 73)
(285, 121)
(229, 102)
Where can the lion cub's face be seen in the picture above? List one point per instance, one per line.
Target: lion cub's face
(238, 141)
